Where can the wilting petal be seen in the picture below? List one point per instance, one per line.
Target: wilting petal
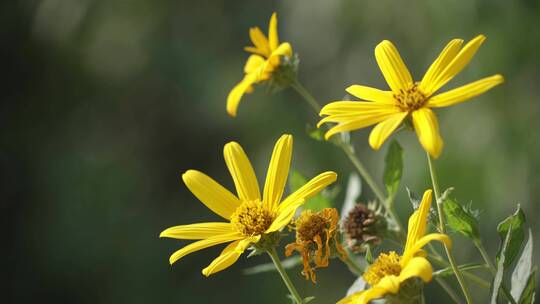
(418, 221)
(235, 96)
(311, 188)
(229, 255)
(394, 70)
(285, 215)
(417, 268)
(273, 39)
(457, 64)
(241, 172)
(427, 129)
(278, 170)
(438, 66)
(465, 92)
(196, 231)
(202, 244)
(384, 129)
(210, 193)
(371, 94)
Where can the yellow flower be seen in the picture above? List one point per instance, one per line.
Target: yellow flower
(406, 99)
(390, 270)
(315, 232)
(249, 217)
(265, 58)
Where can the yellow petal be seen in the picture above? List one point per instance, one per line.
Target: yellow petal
(284, 49)
(254, 50)
(418, 221)
(196, 231)
(311, 188)
(427, 129)
(354, 107)
(210, 193)
(465, 92)
(253, 63)
(202, 244)
(423, 241)
(394, 70)
(358, 123)
(273, 33)
(233, 100)
(352, 299)
(242, 172)
(285, 215)
(457, 64)
(388, 284)
(437, 67)
(278, 170)
(229, 255)
(259, 40)
(384, 129)
(371, 94)
(417, 268)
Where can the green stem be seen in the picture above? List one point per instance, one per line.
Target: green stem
(453, 264)
(300, 89)
(359, 166)
(487, 260)
(274, 256)
(448, 290)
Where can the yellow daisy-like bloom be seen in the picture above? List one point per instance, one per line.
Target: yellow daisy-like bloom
(249, 217)
(390, 270)
(265, 58)
(407, 98)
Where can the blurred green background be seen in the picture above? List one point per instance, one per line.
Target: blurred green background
(106, 103)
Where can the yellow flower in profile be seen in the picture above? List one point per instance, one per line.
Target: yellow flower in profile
(265, 58)
(316, 236)
(388, 109)
(249, 216)
(390, 271)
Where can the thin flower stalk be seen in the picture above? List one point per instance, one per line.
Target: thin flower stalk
(451, 260)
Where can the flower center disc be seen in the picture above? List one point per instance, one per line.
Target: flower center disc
(309, 225)
(251, 218)
(384, 265)
(410, 99)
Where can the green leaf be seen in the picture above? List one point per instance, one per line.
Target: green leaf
(449, 272)
(309, 299)
(316, 203)
(497, 280)
(514, 224)
(523, 269)
(267, 267)
(528, 294)
(369, 255)
(393, 168)
(460, 220)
